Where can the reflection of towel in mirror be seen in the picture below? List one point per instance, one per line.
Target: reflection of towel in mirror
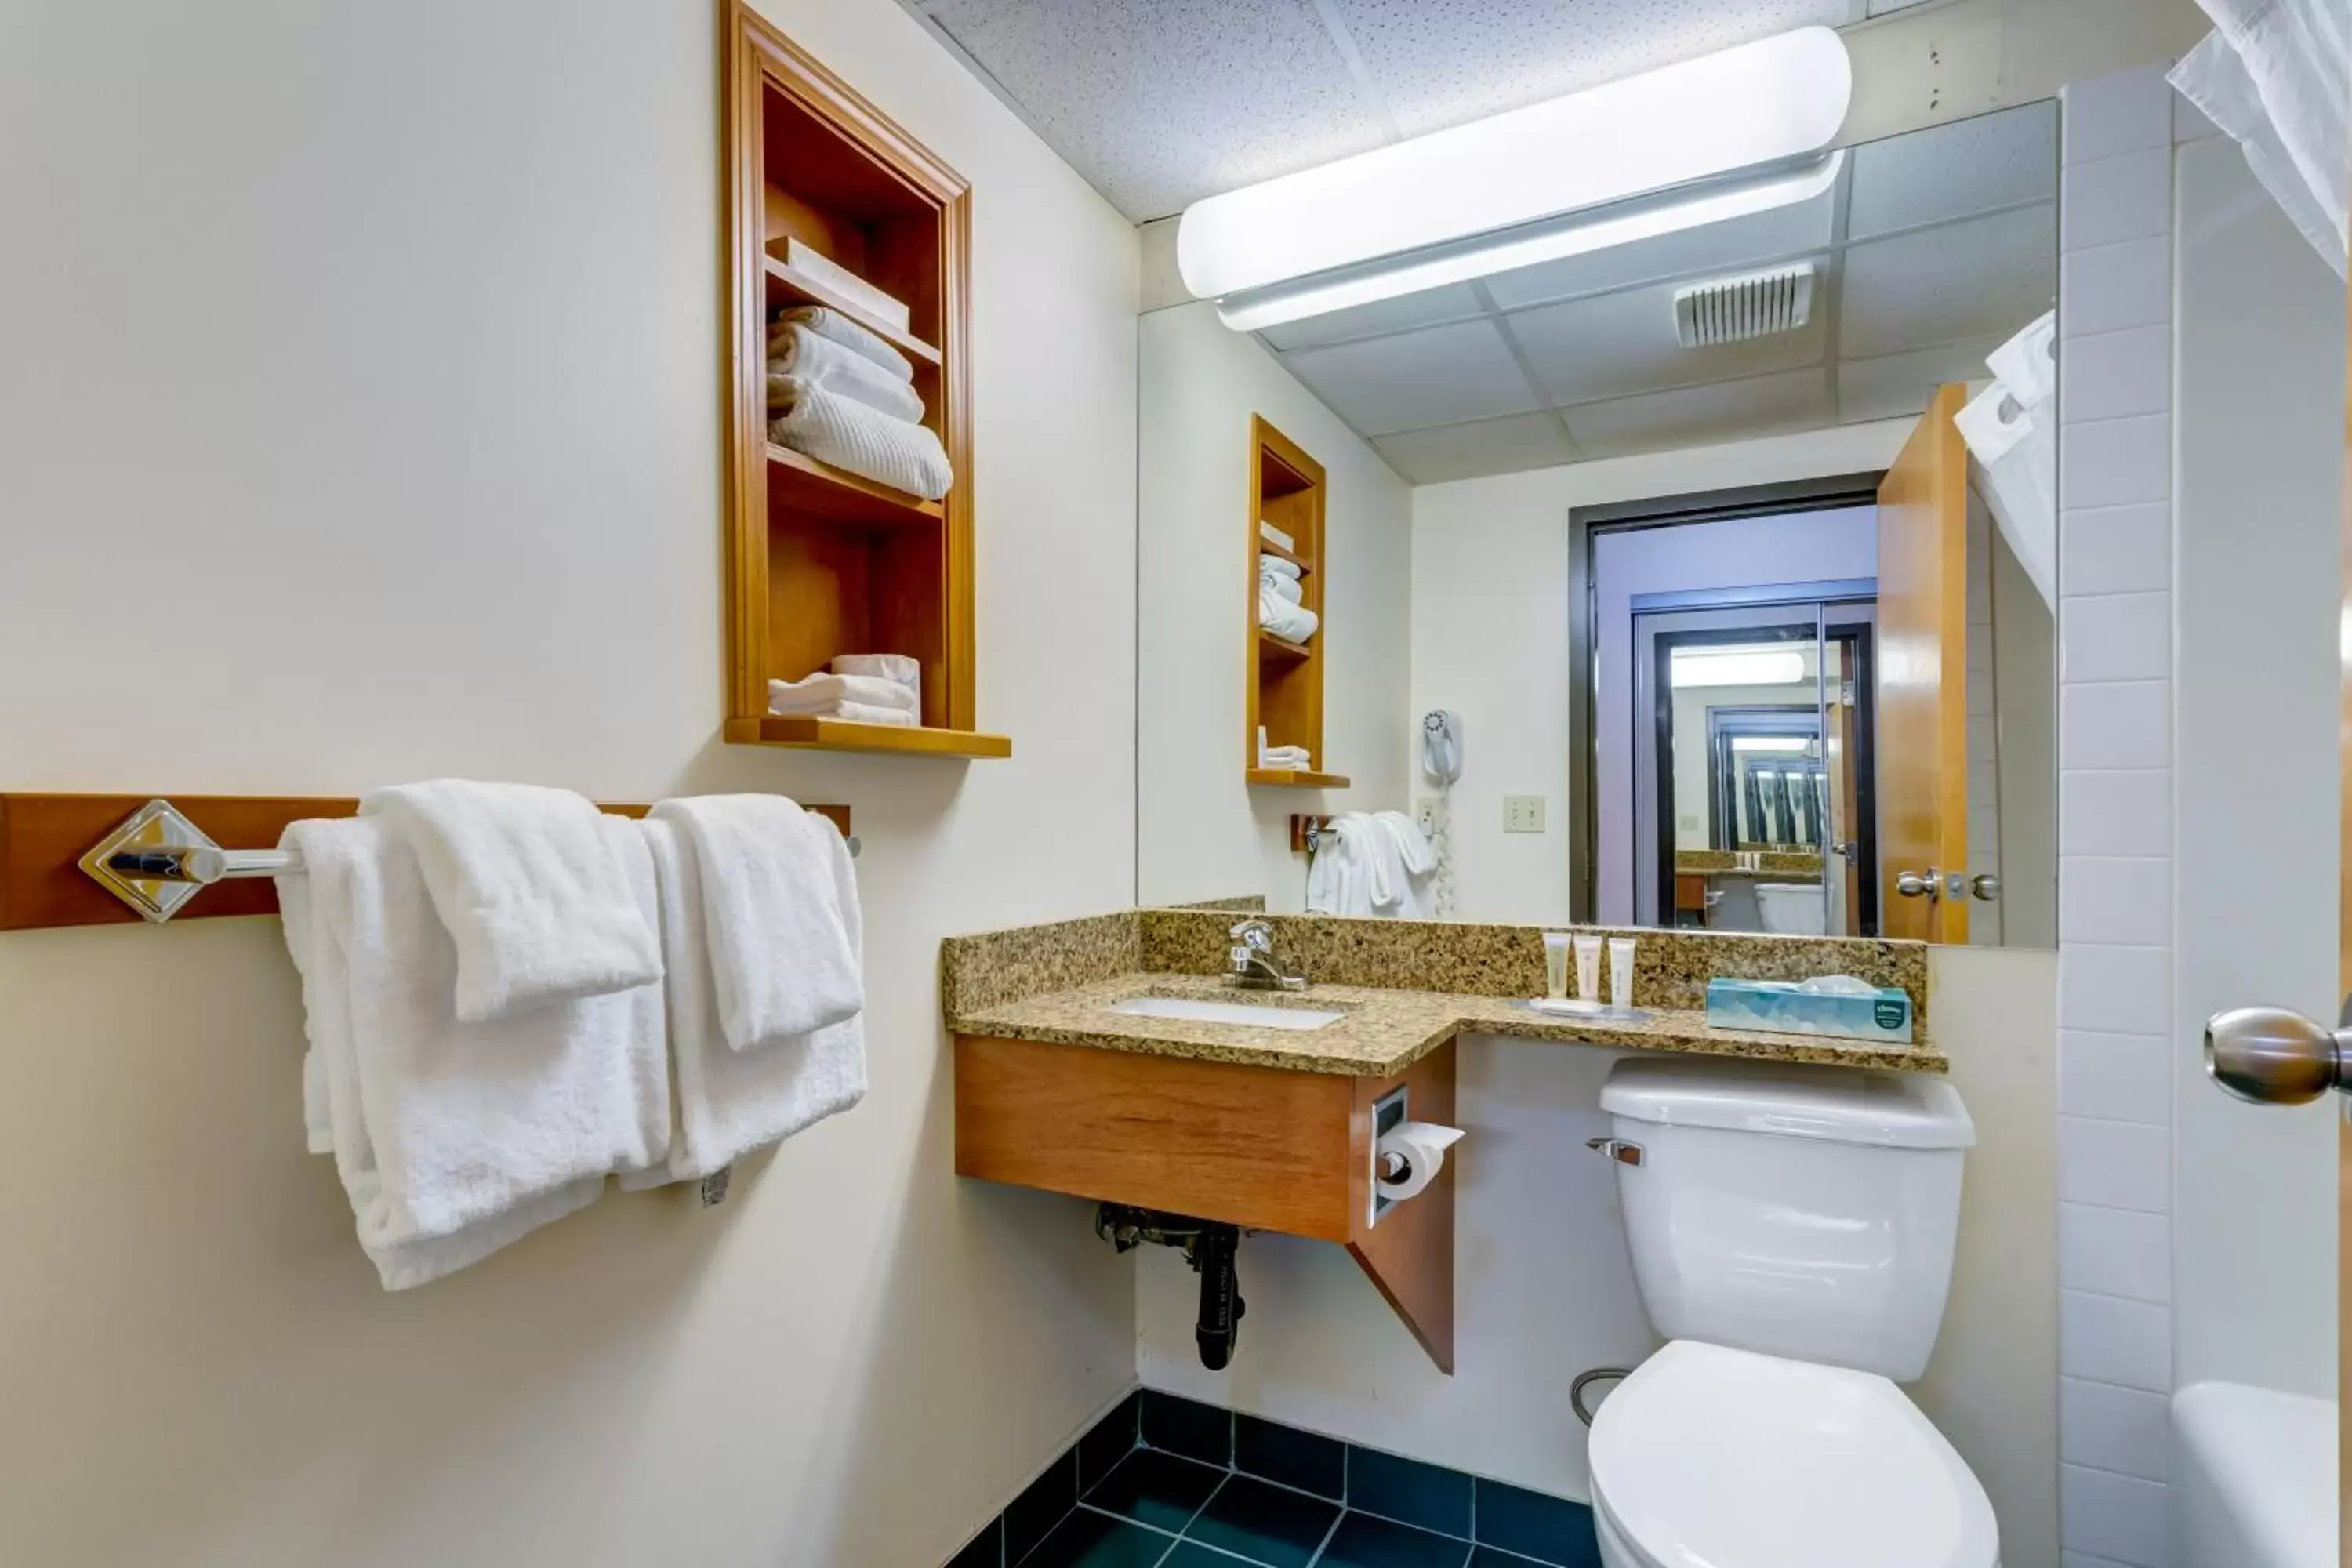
(1292, 623)
(1372, 866)
(1339, 880)
(1401, 863)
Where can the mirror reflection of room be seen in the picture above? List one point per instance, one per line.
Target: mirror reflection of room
(1722, 555)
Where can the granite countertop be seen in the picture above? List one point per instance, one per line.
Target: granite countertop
(1385, 1031)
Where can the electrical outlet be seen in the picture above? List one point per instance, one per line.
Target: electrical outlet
(1523, 813)
(1424, 814)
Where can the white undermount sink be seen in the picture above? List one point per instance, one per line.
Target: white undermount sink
(1208, 1012)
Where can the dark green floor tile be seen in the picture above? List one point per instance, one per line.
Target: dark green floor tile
(1109, 1441)
(1156, 1488)
(986, 1550)
(1188, 1556)
(1408, 1490)
(1040, 1507)
(1490, 1557)
(1306, 1460)
(1268, 1524)
(1091, 1540)
(1548, 1529)
(1364, 1541)
(1188, 1427)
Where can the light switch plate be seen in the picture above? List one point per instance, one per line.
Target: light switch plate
(1523, 813)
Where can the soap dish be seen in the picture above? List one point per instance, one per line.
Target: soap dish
(1571, 1008)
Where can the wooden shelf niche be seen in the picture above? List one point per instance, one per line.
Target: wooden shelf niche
(820, 562)
(1285, 678)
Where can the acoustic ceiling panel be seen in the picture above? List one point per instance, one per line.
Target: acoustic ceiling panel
(1454, 302)
(1985, 277)
(1741, 242)
(1438, 376)
(1612, 345)
(1895, 385)
(1501, 446)
(1696, 416)
(1954, 171)
(1161, 102)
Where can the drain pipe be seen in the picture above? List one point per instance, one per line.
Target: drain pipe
(1585, 1380)
(1210, 1247)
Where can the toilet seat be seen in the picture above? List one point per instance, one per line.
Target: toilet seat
(1713, 1457)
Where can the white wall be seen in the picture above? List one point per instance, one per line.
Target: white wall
(1544, 1287)
(1490, 633)
(2257, 525)
(1208, 833)
(367, 358)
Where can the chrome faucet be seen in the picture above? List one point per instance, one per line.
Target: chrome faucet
(1253, 965)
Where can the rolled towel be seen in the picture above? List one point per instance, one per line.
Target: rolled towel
(1277, 565)
(834, 429)
(815, 693)
(798, 351)
(840, 329)
(1292, 623)
(1284, 588)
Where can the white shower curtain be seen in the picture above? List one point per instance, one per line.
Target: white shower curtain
(2012, 431)
(2274, 75)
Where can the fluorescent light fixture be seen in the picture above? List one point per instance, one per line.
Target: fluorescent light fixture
(1770, 743)
(1739, 667)
(1505, 182)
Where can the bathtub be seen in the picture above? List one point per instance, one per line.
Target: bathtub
(2253, 1477)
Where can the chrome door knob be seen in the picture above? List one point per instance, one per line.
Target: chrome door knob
(2273, 1056)
(1918, 885)
(1984, 885)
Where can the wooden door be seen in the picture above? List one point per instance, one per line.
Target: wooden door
(2344, 987)
(1923, 660)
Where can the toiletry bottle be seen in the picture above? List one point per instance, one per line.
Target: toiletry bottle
(1621, 972)
(1556, 944)
(1588, 968)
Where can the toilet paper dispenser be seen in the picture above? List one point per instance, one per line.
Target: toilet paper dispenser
(1407, 1155)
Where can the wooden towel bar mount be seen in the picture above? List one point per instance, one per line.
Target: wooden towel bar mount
(104, 860)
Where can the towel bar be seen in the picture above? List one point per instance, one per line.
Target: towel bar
(157, 858)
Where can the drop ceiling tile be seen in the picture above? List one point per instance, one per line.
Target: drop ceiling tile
(1741, 242)
(1455, 302)
(1443, 62)
(1895, 385)
(1952, 171)
(1612, 345)
(1438, 376)
(1698, 416)
(1472, 451)
(1159, 104)
(1983, 276)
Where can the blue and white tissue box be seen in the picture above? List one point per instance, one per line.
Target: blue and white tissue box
(1834, 1004)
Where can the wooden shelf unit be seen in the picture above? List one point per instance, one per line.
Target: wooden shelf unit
(820, 562)
(1286, 488)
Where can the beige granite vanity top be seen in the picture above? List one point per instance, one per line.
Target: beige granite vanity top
(1790, 866)
(1057, 983)
(1384, 1032)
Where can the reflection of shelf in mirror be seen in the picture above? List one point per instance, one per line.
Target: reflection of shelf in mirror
(1268, 547)
(798, 481)
(1273, 647)
(789, 285)
(1296, 778)
(839, 735)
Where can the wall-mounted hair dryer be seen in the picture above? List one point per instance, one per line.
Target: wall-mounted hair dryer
(1441, 745)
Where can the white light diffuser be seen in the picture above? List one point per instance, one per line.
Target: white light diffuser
(1742, 667)
(1760, 104)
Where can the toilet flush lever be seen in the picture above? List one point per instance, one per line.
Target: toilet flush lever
(1617, 1149)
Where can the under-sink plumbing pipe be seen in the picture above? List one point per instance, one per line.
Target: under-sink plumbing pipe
(1210, 1247)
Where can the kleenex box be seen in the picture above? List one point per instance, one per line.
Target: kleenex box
(1836, 1005)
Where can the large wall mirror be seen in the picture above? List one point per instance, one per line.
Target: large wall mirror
(1702, 580)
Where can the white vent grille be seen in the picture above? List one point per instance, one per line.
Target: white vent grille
(1731, 309)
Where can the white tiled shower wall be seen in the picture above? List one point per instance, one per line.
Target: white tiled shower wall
(2115, 748)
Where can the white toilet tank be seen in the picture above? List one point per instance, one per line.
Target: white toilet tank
(1804, 1211)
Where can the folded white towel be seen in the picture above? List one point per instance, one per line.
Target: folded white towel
(1277, 565)
(1295, 757)
(904, 668)
(527, 883)
(454, 1139)
(728, 1102)
(796, 351)
(1292, 623)
(1286, 589)
(838, 328)
(859, 713)
(848, 434)
(780, 900)
(815, 693)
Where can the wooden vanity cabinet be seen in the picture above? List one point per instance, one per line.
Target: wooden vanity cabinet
(1263, 1147)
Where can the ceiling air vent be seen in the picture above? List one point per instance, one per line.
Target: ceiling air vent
(1731, 309)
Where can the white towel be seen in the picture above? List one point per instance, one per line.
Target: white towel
(1287, 589)
(815, 693)
(728, 1103)
(904, 668)
(1285, 757)
(1338, 878)
(835, 327)
(848, 434)
(528, 885)
(780, 900)
(1292, 623)
(796, 351)
(1278, 565)
(859, 713)
(1401, 860)
(454, 1139)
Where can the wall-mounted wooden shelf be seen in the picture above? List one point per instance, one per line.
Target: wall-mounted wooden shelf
(823, 562)
(1296, 778)
(840, 735)
(1285, 678)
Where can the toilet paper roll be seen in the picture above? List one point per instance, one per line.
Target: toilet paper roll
(1410, 1155)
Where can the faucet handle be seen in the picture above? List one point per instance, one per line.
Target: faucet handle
(1255, 934)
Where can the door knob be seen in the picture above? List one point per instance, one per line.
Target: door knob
(2275, 1057)
(1917, 885)
(1984, 885)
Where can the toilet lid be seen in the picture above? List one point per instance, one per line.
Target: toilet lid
(1710, 1458)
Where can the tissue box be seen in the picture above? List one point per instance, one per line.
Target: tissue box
(1784, 1007)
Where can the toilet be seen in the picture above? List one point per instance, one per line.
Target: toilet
(1791, 1231)
(1794, 908)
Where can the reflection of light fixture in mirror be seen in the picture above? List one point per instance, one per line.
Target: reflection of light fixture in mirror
(1738, 667)
(1772, 743)
(1536, 184)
